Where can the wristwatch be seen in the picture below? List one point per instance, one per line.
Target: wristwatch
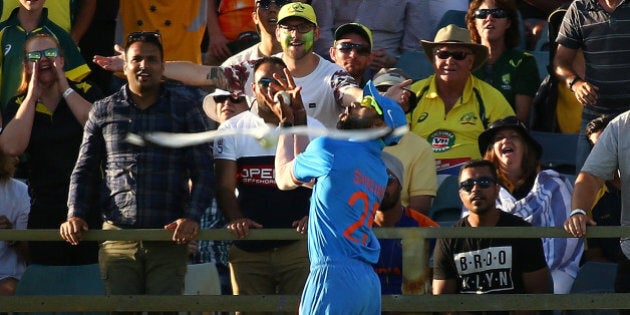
(285, 124)
(575, 80)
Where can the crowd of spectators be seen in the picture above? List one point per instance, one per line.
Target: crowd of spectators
(74, 81)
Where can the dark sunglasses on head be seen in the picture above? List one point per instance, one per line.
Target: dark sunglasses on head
(143, 37)
(266, 4)
(457, 55)
(483, 182)
(223, 98)
(264, 82)
(34, 56)
(360, 49)
(496, 13)
(302, 28)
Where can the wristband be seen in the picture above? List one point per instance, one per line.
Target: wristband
(574, 81)
(67, 92)
(577, 211)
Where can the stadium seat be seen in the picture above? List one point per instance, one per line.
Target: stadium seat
(542, 61)
(447, 207)
(61, 280)
(456, 17)
(595, 277)
(559, 150)
(416, 64)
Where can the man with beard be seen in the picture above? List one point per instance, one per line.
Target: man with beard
(349, 181)
(493, 265)
(145, 187)
(352, 50)
(392, 213)
(261, 267)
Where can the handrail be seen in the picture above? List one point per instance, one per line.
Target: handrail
(412, 269)
(290, 234)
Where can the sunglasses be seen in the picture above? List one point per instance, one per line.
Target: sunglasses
(496, 13)
(266, 4)
(369, 101)
(264, 82)
(223, 98)
(144, 37)
(360, 49)
(35, 56)
(483, 182)
(457, 55)
(302, 28)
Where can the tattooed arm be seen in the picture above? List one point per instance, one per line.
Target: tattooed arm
(196, 74)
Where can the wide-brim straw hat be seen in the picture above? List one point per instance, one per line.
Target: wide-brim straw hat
(453, 35)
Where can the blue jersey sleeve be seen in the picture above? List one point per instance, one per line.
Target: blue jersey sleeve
(314, 162)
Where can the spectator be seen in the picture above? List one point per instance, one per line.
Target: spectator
(494, 24)
(392, 213)
(44, 125)
(456, 268)
(326, 87)
(342, 246)
(99, 40)
(394, 24)
(540, 197)
(230, 25)
(601, 91)
(534, 14)
(74, 16)
(265, 17)
(14, 208)
(454, 107)
(352, 50)
(607, 210)
(260, 267)
(606, 160)
(32, 18)
(144, 187)
(182, 25)
(419, 185)
(555, 107)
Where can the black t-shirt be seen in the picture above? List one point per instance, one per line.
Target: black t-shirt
(488, 265)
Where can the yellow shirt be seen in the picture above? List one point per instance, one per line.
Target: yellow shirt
(181, 24)
(58, 11)
(420, 177)
(568, 110)
(453, 135)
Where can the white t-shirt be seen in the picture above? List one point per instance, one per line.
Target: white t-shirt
(322, 89)
(234, 147)
(15, 204)
(250, 53)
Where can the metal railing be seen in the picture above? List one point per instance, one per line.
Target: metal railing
(413, 268)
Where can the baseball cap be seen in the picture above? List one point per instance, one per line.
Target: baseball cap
(297, 9)
(392, 113)
(355, 28)
(389, 76)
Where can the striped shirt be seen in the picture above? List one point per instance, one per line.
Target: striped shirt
(548, 204)
(605, 40)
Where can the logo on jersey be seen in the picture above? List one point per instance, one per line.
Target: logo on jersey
(7, 49)
(260, 175)
(486, 270)
(506, 82)
(423, 117)
(441, 140)
(468, 119)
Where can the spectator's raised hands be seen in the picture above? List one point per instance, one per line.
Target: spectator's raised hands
(111, 63)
